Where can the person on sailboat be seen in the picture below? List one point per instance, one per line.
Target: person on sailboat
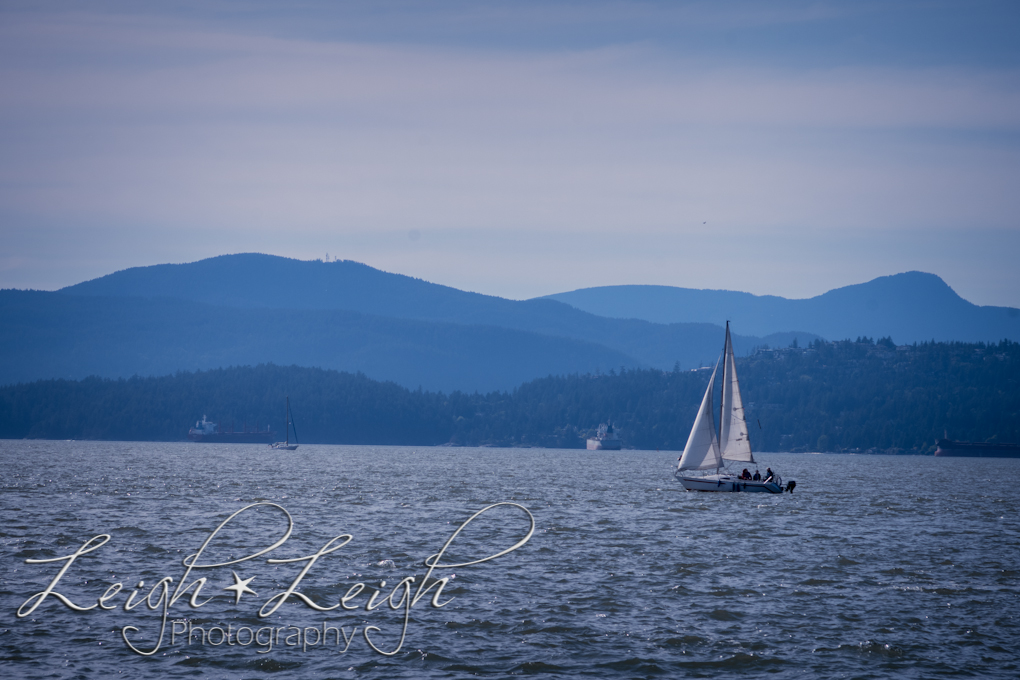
(768, 474)
(757, 476)
(745, 474)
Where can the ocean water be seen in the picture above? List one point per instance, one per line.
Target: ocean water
(875, 567)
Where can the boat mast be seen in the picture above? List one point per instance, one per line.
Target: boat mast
(722, 392)
(287, 423)
(725, 375)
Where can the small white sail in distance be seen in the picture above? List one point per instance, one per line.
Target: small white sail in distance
(734, 441)
(702, 450)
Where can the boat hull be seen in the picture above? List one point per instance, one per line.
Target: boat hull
(604, 444)
(728, 483)
(280, 446)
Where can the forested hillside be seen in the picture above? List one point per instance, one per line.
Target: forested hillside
(844, 396)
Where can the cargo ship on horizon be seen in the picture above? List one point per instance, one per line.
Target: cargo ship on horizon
(206, 431)
(948, 447)
(605, 439)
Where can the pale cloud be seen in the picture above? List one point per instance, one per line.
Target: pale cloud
(192, 139)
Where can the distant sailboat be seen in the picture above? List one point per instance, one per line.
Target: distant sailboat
(286, 445)
(707, 450)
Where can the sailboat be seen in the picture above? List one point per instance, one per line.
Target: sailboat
(286, 445)
(707, 450)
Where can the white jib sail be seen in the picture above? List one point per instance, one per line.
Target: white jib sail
(702, 450)
(734, 442)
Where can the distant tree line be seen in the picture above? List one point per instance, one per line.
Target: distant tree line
(858, 395)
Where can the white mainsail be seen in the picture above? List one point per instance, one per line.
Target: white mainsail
(734, 442)
(702, 450)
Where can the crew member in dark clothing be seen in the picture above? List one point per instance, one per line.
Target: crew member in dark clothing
(757, 476)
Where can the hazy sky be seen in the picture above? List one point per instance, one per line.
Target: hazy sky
(518, 148)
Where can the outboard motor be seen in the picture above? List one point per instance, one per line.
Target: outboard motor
(791, 485)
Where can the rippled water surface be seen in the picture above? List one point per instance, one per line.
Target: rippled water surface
(875, 567)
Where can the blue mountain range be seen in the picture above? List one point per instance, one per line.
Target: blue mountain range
(252, 308)
(910, 307)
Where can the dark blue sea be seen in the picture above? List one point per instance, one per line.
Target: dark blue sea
(875, 567)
